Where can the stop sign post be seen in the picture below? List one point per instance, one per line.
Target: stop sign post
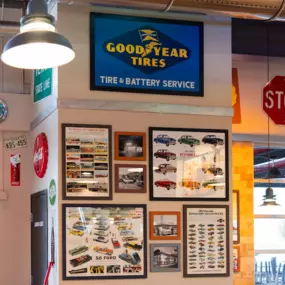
(274, 100)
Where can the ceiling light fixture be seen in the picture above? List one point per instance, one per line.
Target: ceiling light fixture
(38, 45)
(269, 199)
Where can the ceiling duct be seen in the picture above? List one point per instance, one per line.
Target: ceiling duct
(254, 9)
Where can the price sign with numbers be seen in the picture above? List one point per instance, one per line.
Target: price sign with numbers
(16, 143)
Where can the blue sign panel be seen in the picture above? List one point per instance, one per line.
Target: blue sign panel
(146, 55)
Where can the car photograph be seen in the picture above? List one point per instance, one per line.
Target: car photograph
(189, 183)
(80, 260)
(189, 140)
(98, 187)
(101, 233)
(103, 250)
(126, 179)
(165, 139)
(165, 184)
(78, 250)
(129, 238)
(116, 243)
(76, 232)
(213, 170)
(133, 246)
(166, 168)
(212, 139)
(133, 259)
(212, 184)
(101, 239)
(165, 154)
(127, 233)
(102, 227)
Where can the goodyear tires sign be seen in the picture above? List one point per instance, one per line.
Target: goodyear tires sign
(146, 55)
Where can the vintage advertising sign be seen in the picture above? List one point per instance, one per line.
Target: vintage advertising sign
(236, 97)
(42, 84)
(15, 168)
(147, 55)
(41, 155)
(14, 143)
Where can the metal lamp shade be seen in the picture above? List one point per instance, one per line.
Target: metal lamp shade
(37, 50)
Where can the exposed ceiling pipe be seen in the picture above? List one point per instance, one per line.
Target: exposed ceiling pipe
(263, 167)
(254, 9)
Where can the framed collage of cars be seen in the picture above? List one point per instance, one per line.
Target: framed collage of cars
(188, 164)
(86, 162)
(104, 241)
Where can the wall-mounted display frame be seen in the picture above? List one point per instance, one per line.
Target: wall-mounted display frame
(165, 225)
(236, 217)
(86, 162)
(104, 241)
(188, 164)
(165, 257)
(121, 59)
(206, 241)
(130, 178)
(236, 259)
(130, 146)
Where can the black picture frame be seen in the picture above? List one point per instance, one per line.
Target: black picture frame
(138, 90)
(110, 161)
(236, 212)
(227, 262)
(187, 130)
(65, 206)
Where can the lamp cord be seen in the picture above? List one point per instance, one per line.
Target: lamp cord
(268, 120)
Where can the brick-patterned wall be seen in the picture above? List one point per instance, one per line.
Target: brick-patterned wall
(242, 163)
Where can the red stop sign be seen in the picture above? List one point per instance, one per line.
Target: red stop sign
(274, 100)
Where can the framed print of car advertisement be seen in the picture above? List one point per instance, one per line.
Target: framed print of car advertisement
(86, 162)
(146, 55)
(104, 241)
(165, 257)
(130, 178)
(165, 225)
(188, 164)
(206, 241)
(236, 219)
(130, 146)
(236, 259)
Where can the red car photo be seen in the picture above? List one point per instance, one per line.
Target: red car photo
(165, 184)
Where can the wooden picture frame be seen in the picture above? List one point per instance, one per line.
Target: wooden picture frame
(86, 150)
(206, 227)
(165, 257)
(94, 232)
(236, 217)
(167, 231)
(236, 259)
(126, 180)
(130, 146)
(188, 164)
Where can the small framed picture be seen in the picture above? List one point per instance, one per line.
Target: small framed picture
(130, 146)
(236, 259)
(165, 226)
(165, 257)
(236, 219)
(130, 178)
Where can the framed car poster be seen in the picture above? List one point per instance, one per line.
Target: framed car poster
(188, 164)
(206, 241)
(104, 241)
(86, 162)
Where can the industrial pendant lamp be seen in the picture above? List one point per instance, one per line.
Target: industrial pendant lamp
(269, 199)
(37, 46)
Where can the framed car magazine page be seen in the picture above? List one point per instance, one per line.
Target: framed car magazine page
(188, 164)
(86, 162)
(104, 241)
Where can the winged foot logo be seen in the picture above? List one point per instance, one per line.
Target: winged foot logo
(147, 50)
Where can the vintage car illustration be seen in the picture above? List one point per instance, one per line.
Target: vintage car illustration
(72, 166)
(96, 269)
(189, 183)
(87, 157)
(133, 259)
(164, 153)
(189, 140)
(80, 260)
(124, 227)
(132, 268)
(101, 158)
(115, 243)
(79, 227)
(101, 239)
(78, 271)
(74, 141)
(76, 232)
(129, 238)
(103, 250)
(212, 139)
(100, 149)
(213, 170)
(133, 245)
(165, 139)
(78, 250)
(98, 187)
(212, 184)
(102, 227)
(165, 168)
(102, 166)
(101, 233)
(166, 183)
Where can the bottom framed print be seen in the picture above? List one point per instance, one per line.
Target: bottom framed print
(104, 241)
(206, 241)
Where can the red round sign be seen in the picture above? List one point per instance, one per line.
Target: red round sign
(41, 155)
(274, 100)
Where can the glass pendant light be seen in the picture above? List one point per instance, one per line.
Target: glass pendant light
(269, 199)
(38, 45)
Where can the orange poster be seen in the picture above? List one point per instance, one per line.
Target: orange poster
(236, 97)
